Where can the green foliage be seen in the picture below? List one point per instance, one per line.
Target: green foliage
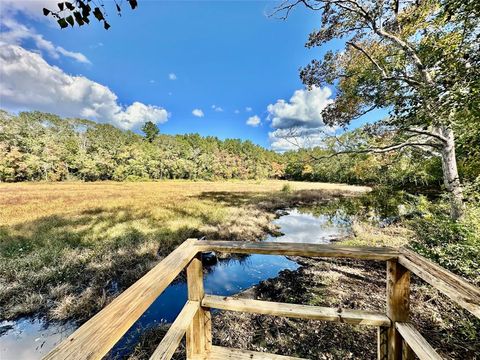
(36, 146)
(150, 130)
(408, 168)
(454, 245)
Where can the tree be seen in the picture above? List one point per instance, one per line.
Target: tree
(150, 130)
(419, 59)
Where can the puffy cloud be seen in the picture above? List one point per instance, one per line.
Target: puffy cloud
(298, 123)
(172, 76)
(304, 109)
(12, 32)
(217, 108)
(29, 82)
(253, 121)
(198, 113)
(248, 109)
(237, 111)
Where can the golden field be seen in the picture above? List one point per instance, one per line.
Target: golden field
(66, 249)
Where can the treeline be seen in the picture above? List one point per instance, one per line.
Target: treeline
(36, 146)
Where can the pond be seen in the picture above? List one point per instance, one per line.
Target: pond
(32, 338)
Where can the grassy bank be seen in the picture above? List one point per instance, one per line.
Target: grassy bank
(66, 249)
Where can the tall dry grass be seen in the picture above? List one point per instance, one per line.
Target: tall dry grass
(66, 249)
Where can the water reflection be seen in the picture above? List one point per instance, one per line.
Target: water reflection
(32, 340)
(312, 229)
(226, 277)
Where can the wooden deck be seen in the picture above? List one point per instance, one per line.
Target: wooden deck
(397, 338)
(223, 353)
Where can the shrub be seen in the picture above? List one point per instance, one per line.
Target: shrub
(453, 245)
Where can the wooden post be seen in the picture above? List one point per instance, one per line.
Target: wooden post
(198, 336)
(407, 352)
(398, 301)
(382, 341)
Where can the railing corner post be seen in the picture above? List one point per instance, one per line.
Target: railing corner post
(398, 303)
(199, 335)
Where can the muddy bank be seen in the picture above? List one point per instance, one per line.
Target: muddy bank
(343, 284)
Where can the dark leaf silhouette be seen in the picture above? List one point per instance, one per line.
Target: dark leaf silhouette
(63, 23)
(78, 18)
(69, 6)
(70, 20)
(133, 4)
(98, 14)
(80, 12)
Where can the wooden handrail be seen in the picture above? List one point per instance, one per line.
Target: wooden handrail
(174, 335)
(357, 317)
(417, 342)
(449, 284)
(299, 249)
(99, 334)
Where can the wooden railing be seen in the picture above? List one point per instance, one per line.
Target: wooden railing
(397, 338)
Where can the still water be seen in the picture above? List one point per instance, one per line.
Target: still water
(33, 338)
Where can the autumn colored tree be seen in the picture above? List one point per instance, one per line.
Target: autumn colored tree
(418, 59)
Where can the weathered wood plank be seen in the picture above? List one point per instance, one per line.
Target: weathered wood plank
(296, 311)
(174, 335)
(460, 291)
(222, 353)
(398, 302)
(196, 334)
(417, 342)
(382, 341)
(299, 249)
(97, 336)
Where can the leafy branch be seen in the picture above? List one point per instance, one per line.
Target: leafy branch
(81, 11)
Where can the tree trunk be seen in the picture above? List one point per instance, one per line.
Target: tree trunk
(450, 174)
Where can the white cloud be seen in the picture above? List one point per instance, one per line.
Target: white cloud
(172, 76)
(304, 109)
(237, 111)
(29, 82)
(298, 123)
(248, 109)
(198, 113)
(253, 121)
(14, 33)
(30, 8)
(217, 108)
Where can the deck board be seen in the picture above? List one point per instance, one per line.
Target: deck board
(223, 353)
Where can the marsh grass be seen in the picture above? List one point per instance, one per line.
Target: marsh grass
(66, 249)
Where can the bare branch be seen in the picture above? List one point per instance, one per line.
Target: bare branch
(378, 150)
(428, 133)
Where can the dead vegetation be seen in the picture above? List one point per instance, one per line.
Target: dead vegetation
(67, 249)
(343, 284)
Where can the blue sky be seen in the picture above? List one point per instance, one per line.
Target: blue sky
(225, 58)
